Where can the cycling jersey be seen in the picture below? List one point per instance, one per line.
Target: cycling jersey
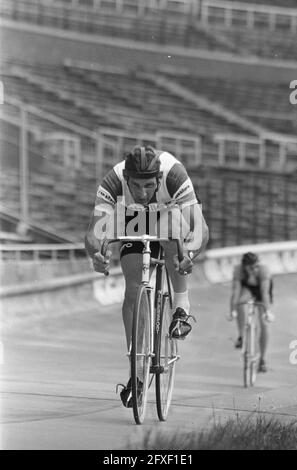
(254, 285)
(175, 187)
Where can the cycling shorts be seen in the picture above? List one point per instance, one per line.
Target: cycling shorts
(133, 247)
(129, 248)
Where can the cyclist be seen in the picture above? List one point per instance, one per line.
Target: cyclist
(252, 280)
(149, 181)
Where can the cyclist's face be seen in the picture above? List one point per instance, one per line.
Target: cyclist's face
(142, 190)
(252, 269)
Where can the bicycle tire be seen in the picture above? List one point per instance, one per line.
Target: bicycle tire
(246, 353)
(166, 356)
(249, 358)
(253, 373)
(245, 371)
(253, 364)
(140, 353)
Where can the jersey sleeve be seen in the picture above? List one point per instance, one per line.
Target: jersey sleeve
(264, 273)
(180, 187)
(108, 192)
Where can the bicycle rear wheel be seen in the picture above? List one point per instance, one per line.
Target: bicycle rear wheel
(166, 357)
(140, 354)
(246, 358)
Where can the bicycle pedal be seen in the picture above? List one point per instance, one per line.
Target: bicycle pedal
(192, 316)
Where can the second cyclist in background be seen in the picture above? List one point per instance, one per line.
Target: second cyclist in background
(252, 280)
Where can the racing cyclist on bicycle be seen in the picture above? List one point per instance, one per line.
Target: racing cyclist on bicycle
(252, 280)
(148, 181)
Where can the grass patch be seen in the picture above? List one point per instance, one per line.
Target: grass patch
(255, 432)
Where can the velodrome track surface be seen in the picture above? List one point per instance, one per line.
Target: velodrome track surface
(60, 372)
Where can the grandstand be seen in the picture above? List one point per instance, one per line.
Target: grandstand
(207, 24)
(71, 120)
(251, 99)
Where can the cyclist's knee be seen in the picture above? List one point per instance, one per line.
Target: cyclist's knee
(168, 245)
(245, 296)
(131, 291)
(261, 313)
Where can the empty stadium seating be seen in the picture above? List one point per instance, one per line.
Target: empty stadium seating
(247, 207)
(274, 45)
(129, 104)
(265, 103)
(231, 200)
(116, 105)
(118, 100)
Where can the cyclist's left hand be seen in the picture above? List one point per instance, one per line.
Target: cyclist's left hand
(185, 266)
(269, 316)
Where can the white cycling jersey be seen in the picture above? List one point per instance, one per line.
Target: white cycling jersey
(175, 187)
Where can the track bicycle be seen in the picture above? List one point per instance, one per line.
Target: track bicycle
(250, 341)
(152, 352)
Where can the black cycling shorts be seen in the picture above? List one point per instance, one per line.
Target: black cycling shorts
(128, 248)
(256, 291)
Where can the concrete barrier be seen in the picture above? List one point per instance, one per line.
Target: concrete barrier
(216, 267)
(109, 290)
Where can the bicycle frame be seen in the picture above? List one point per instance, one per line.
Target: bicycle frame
(250, 324)
(250, 356)
(147, 262)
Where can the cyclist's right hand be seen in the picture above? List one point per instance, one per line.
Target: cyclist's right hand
(269, 316)
(101, 263)
(232, 315)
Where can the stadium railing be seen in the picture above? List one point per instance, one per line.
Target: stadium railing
(249, 15)
(128, 8)
(267, 151)
(36, 252)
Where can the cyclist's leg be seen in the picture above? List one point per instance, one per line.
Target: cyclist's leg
(179, 327)
(264, 335)
(131, 262)
(179, 281)
(177, 223)
(245, 296)
(178, 226)
(131, 266)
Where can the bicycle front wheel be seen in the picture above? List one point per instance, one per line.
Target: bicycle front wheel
(249, 357)
(253, 360)
(140, 354)
(166, 352)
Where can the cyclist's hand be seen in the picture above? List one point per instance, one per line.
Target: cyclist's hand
(183, 267)
(232, 315)
(101, 263)
(269, 316)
